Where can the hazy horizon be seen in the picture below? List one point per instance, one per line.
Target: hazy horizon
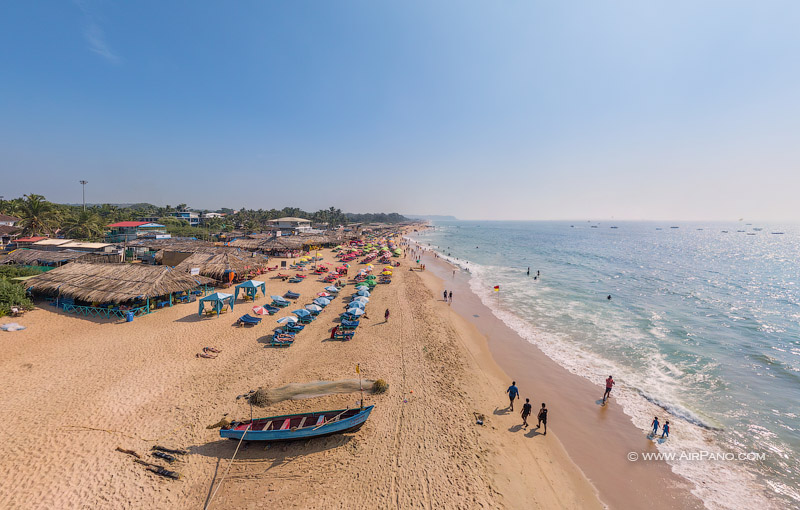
(667, 111)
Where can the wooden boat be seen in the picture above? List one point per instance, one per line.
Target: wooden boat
(291, 427)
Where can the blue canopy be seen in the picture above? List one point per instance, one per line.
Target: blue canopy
(301, 312)
(217, 301)
(356, 304)
(332, 289)
(250, 288)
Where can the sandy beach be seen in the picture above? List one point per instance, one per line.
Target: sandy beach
(597, 437)
(75, 389)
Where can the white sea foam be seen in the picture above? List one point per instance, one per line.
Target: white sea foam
(720, 485)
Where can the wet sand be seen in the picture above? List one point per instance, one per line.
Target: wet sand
(598, 438)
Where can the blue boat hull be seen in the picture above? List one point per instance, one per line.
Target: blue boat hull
(349, 424)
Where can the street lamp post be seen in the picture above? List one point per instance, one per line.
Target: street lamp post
(84, 183)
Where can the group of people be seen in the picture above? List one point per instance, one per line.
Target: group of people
(448, 297)
(664, 429)
(527, 408)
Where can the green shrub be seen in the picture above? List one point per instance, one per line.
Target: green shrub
(12, 294)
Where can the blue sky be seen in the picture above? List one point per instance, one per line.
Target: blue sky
(483, 110)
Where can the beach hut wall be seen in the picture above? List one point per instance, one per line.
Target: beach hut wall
(113, 283)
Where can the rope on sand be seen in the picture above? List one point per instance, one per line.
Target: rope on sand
(208, 504)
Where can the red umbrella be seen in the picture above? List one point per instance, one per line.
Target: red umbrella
(260, 310)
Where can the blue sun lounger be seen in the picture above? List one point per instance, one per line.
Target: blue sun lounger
(248, 320)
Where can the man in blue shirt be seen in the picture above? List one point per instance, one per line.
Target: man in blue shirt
(513, 393)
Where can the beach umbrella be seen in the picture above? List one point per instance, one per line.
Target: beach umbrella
(355, 311)
(357, 304)
(301, 313)
(362, 287)
(260, 310)
(322, 301)
(285, 320)
(323, 294)
(387, 273)
(314, 308)
(332, 289)
(361, 299)
(363, 292)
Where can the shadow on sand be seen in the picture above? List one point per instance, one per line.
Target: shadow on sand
(271, 455)
(501, 412)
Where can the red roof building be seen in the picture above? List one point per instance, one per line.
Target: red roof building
(128, 224)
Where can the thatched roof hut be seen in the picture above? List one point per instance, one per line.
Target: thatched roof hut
(289, 243)
(40, 257)
(218, 262)
(113, 283)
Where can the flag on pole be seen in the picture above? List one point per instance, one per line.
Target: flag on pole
(358, 369)
(497, 288)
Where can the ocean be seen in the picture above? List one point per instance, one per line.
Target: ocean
(702, 329)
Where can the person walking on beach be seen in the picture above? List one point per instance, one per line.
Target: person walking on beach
(513, 393)
(543, 418)
(451, 296)
(655, 425)
(665, 430)
(529, 271)
(386, 316)
(526, 411)
(609, 384)
(445, 295)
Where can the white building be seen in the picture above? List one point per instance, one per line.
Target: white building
(295, 224)
(8, 221)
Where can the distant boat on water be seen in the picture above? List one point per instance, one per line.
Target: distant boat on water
(659, 228)
(594, 226)
(758, 229)
(777, 233)
(699, 229)
(724, 231)
(613, 227)
(674, 227)
(740, 230)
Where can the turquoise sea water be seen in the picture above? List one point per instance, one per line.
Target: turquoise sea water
(703, 329)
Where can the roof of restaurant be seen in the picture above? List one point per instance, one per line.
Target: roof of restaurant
(135, 224)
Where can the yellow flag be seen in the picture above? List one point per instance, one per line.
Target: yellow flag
(358, 369)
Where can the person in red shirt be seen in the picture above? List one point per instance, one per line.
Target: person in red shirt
(609, 384)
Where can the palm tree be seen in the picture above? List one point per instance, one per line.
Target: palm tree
(36, 214)
(84, 225)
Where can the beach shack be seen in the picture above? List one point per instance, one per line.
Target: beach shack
(129, 230)
(219, 302)
(116, 290)
(250, 289)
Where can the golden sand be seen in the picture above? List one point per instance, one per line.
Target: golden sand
(75, 389)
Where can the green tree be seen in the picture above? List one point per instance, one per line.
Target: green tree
(37, 215)
(84, 225)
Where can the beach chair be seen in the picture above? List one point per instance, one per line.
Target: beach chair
(307, 319)
(272, 310)
(345, 335)
(294, 327)
(291, 295)
(248, 320)
(348, 325)
(280, 304)
(295, 280)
